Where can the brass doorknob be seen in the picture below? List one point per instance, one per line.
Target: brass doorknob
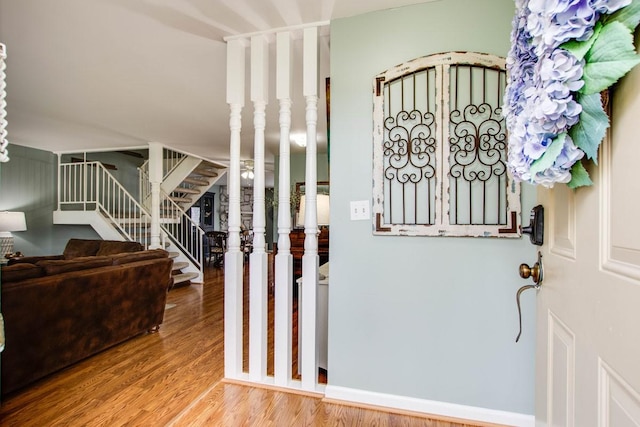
(534, 272)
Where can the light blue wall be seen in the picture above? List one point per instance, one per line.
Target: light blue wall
(126, 172)
(298, 167)
(28, 184)
(425, 317)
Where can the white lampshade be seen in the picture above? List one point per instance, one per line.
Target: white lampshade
(12, 221)
(323, 210)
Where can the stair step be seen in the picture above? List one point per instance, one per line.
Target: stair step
(186, 190)
(183, 277)
(179, 265)
(181, 199)
(206, 172)
(174, 255)
(195, 181)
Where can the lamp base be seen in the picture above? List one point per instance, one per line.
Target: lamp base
(6, 245)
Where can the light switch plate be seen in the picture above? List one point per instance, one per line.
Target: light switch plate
(359, 210)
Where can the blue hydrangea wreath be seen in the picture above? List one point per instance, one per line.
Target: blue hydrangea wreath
(563, 54)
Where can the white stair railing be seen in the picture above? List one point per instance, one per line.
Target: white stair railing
(184, 232)
(89, 186)
(171, 159)
(144, 184)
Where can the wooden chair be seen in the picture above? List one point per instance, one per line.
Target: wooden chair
(246, 242)
(217, 246)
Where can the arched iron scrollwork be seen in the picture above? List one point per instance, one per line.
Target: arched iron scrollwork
(478, 143)
(410, 146)
(409, 152)
(440, 149)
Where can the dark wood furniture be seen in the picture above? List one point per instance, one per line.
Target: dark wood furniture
(297, 248)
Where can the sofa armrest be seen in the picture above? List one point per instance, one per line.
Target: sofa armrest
(34, 259)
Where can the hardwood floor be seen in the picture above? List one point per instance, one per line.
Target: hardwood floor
(173, 378)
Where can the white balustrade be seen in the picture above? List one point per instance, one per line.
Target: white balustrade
(258, 259)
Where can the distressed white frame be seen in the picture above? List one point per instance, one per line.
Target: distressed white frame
(441, 63)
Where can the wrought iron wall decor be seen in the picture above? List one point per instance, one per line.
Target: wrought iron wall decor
(440, 149)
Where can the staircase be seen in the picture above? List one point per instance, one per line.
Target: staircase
(194, 185)
(89, 194)
(185, 178)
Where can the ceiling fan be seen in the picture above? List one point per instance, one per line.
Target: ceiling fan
(247, 173)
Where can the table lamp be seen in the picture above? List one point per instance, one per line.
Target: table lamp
(10, 221)
(322, 205)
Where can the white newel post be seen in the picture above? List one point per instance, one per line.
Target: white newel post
(258, 257)
(234, 258)
(284, 259)
(310, 259)
(155, 177)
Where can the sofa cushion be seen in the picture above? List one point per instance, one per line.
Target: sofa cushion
(20, 271)
(80, 248)
(33, 259)
(125, 258)
(109, 247)
(76, 264)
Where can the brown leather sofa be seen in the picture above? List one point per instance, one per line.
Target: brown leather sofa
(59, 310)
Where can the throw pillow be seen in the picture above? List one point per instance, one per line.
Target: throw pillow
(76, 264)
(81, 247)
(108, 247)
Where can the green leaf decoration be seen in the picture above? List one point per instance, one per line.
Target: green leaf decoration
(628, 16)
(580, 49)
(579, 176)
(587, 134)
(550, 155)
(611, 57)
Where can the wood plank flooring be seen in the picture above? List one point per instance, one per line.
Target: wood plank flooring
(173, 378)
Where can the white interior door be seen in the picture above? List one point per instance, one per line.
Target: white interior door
(588, 311)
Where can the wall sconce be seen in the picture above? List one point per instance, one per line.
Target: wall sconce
(10, 221)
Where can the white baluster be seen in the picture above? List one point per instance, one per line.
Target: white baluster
(284, 259)
(310, 259)
(258, 257)
(155, 177)
(234, 258)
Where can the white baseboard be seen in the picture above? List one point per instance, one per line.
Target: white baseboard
(441, 409)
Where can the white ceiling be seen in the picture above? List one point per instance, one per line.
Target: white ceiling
(119, 73)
